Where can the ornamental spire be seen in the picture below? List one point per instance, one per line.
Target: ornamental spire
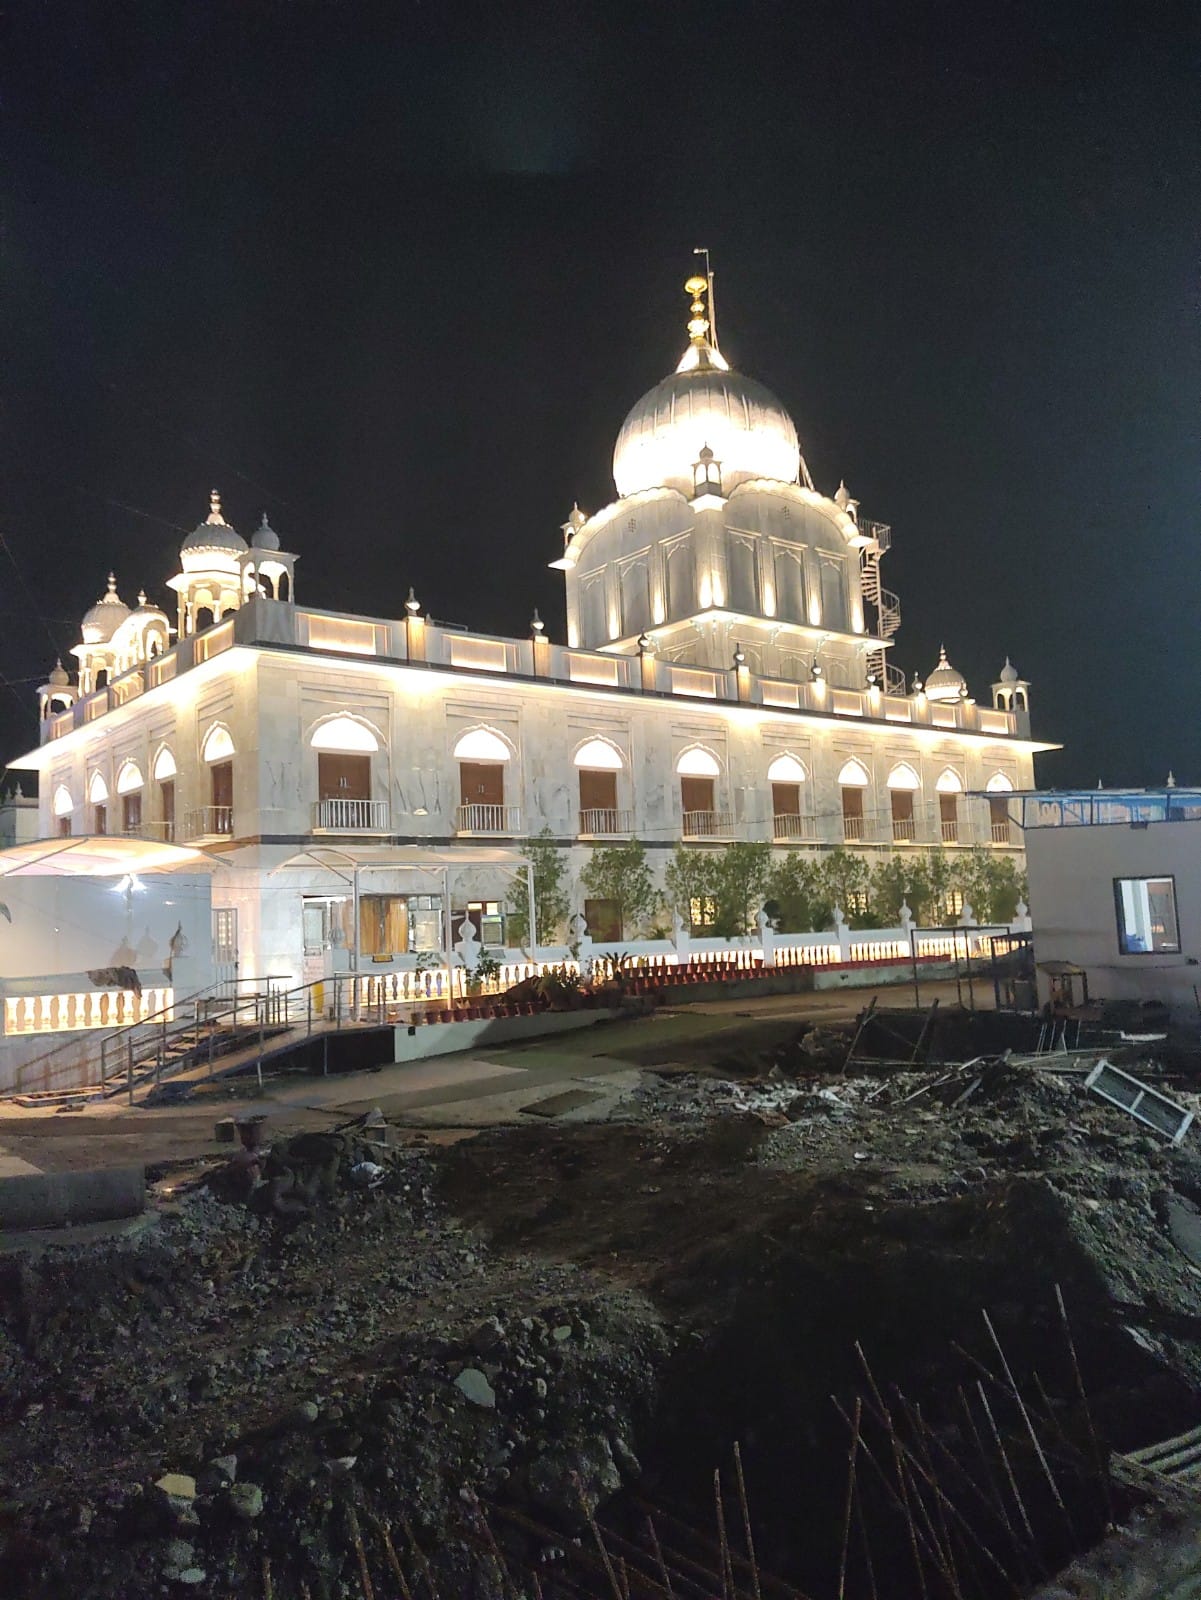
(702, 351)
(215, 508)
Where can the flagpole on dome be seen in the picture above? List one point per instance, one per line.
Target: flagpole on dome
(703, 250)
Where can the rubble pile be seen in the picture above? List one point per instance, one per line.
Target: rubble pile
(341, 1352)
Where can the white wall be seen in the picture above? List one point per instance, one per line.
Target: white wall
(1071, 872)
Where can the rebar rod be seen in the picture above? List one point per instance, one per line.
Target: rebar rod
(1034, 1439)
(1102, 1462)
(747, 1533)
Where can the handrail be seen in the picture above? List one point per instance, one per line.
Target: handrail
(84, 1044)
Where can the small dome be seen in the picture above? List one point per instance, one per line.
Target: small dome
(264, 536)
(214, 533)
(1009, 673)
(145, 609)
(103, 619)
(944, 683)
(59, 677)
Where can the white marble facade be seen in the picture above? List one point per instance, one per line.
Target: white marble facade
(727, 676)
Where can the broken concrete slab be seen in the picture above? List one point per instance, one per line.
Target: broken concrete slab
(55, 1199)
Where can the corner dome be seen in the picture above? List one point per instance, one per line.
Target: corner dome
(945, 683)
(214, 533)
(749, 432)
(103, 619)
(264, 536)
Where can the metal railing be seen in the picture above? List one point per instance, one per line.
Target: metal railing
(488, 819)
(707, 824)
(351, 816)
(949, 831)
(162, 831)
(791, 825)
(904, 830)
(606, 820)
(852, 829)
(1001, 833)
(204, 822)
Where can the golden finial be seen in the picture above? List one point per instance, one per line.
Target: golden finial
(215, 507)
(698, 325)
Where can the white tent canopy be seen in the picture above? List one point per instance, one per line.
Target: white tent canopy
(106, 855)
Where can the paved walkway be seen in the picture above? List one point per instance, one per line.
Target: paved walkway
(447, 1091)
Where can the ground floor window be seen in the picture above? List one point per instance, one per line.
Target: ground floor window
(1147, 919)
(487, 917)
(702, 913)
(603, 918)
(383, 924)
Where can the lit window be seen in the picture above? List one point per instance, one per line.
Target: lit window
(164, 765)
(786, 769)
(218, 744)
(598, 755)
(97, 789)
(698, 763)
(129, 778)
(1146, 909)
(63, 804)
(481, 744)
(854, 775)
(345, 734)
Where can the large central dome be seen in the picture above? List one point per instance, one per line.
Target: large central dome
(742, 422)
(704, 404)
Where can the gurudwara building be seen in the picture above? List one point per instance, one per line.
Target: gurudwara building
(363, 783)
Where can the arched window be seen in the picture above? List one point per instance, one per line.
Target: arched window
(681, 581)
(833, 589)
(218, 743)
(635, 597)
(742, 577)
(345, 733)
(600, 756)
(202, 618)
(163, 773)
(786, 769)
(283, 587)
(698, 763)
(786, 775)
(98, 795)
(903, 782)
(903, 776)
(63, 804)
(482, 756)
(598, 764)
(102, 678)
(999, 787)
(790, 586)
(698, 771)
(852, 780)
(129, 787)
(481, 744)
(949, 787)
(218, 752)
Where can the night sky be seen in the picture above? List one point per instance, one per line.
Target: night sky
(396, 274)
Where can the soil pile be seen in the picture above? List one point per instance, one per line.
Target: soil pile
(444, 1367)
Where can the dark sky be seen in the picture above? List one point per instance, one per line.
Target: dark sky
(396, 273)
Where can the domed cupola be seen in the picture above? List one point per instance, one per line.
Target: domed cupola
(214, 533)
(264, 536)
(945, 683)
(703, 404)
(103, 619)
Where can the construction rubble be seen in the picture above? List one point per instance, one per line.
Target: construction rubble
(915, 1318)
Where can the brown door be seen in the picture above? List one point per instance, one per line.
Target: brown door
(902, 814)
(852, 813)
(99, 819)
(786, 799)
(598, 791)
(948, 816)
(341, 777)
(131, 812)
(999, 816)
(697, 794)
(481, 783)
(222, 781)
(166, 798)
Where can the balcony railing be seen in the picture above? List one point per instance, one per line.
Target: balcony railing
(707, 824)
(790, 825)
(606, 822)
(209, 822)
(161, 831)
(950, 832)
(852, 829)
(904, 830)
(488, 819)
(351, 816)
(1000, 833)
